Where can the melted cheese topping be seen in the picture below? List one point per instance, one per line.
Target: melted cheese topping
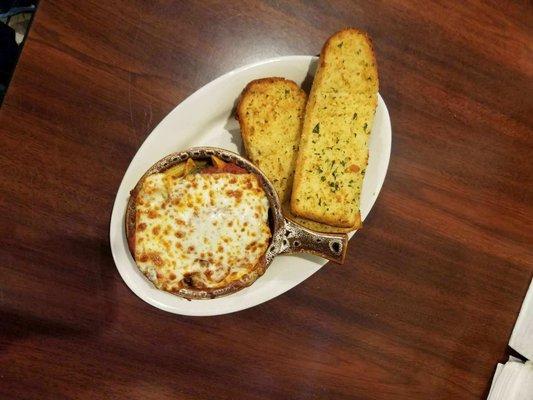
(201, 231)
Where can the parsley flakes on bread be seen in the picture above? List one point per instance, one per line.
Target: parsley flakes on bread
(334, 142)
(324, 138)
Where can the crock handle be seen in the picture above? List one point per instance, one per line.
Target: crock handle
(294, 238)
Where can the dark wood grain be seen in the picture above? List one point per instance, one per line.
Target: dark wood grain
(425, 304)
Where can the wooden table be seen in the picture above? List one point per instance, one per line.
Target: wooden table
(425, 304)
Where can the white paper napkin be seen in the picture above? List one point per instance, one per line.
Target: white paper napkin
(512, 381)
(522, 336)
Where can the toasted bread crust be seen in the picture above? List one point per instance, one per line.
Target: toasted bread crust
(316, 226)
(337, 124)
(270, 114)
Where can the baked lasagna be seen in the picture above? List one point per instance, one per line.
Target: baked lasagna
(200, 227)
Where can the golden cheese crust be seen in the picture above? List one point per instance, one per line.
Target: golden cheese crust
(334, 143)
(200, 231)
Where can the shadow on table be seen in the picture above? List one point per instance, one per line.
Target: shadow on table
(78, 299)
(16, 326)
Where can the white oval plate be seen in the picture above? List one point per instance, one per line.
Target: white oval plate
(205, 119)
